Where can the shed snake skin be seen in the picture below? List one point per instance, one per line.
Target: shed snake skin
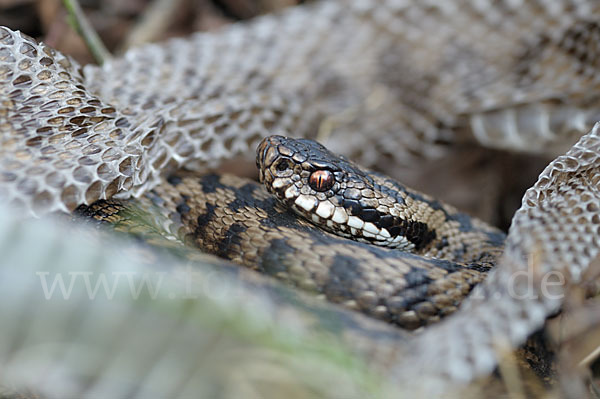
(397, 80)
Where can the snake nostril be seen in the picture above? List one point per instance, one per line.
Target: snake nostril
(282, 165)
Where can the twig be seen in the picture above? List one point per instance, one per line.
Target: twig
(80, 23)
(153, 22)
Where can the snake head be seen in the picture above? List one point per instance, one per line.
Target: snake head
(336, 194)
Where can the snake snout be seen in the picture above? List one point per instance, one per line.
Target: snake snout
(273, 163)
(267, 152)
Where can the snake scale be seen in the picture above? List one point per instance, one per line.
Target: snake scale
(411, 283)
(382, 81)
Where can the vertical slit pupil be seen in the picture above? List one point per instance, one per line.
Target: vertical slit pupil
(321, 180)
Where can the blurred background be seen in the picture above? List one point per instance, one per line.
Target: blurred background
(122, 24)
(483, 182)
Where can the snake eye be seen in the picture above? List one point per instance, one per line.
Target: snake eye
(321, 180)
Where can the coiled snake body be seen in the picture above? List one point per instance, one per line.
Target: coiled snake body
(438, 254)
(392, 79)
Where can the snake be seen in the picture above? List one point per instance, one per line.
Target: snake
(410, 263)
(416, 77)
